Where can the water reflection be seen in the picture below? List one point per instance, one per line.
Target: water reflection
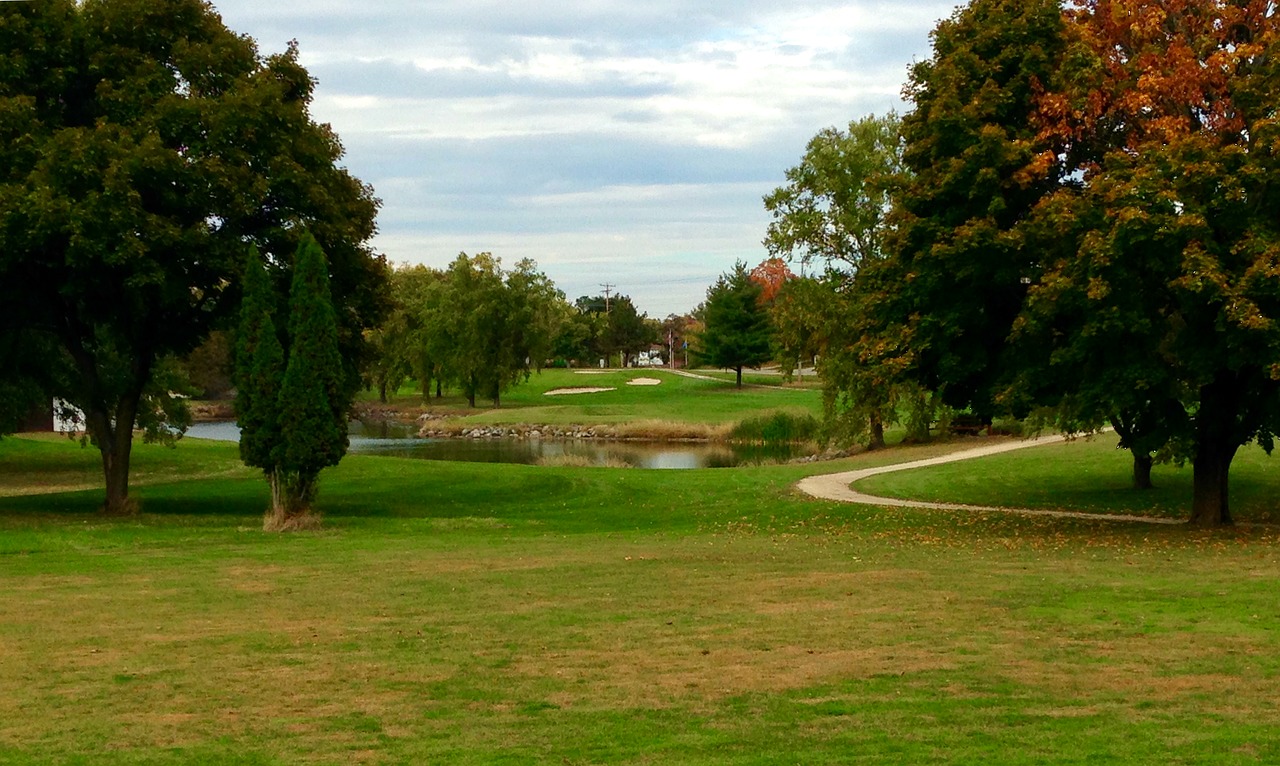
(396, 439)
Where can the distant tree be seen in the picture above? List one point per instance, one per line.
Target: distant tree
(417, 296)
(737, 331)
(579, 338)
(628, 331)
(676, 331)
(489, 328)
(771, 274)
(390, 360)
(208, 367)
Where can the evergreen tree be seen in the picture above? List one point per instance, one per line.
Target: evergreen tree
(313, 399)
(737, 330)
(259, 365)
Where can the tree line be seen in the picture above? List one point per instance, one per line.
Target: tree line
(477, 328)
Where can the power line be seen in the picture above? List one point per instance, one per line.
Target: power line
(608, 289)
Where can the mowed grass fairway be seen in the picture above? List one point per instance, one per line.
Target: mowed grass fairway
(675, 399)
(485, 614)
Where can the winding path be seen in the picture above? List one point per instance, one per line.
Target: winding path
(837, 486)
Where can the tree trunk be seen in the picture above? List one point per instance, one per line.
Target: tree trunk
(382, 392)
(1215, 449)
(115, 444)
(739, 369)
(291, 497)
(439, 390)
(877, 434)
(1142, 463)
(1209, 507)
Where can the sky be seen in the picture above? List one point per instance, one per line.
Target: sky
(615, 143)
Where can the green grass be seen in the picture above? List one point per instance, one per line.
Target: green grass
(1085, 474)
(488, 614)
(677, 399)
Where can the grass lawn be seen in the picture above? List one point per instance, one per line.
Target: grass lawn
(487, 614)
(676, 399)
(1084, 475)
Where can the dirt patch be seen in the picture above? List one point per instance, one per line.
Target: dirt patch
(663, 678)
(644, 382)
(581, 390)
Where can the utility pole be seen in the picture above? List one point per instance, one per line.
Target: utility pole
(608, 288)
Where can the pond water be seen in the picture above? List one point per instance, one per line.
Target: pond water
(398, 440)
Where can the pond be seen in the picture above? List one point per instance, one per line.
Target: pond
(398, 440)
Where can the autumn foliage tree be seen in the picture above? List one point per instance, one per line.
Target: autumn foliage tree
(1095, 221)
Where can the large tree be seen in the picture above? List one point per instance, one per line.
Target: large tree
(314, 398)
(143, 146)
(1092, 222)
(1166, 304)
(970, 154)
(737, 331)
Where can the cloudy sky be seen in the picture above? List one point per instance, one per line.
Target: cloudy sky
(622, 143)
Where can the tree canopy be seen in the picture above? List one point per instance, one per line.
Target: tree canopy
(143, 147)
(1091, 222)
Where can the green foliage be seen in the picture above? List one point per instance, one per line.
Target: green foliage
(833, 206)
(833, 209)
(258, 369)
(481, 328)
(956, 283)
(313, 405)
(776, 427)
(143, 146)
(1080, 235)
(737, 329)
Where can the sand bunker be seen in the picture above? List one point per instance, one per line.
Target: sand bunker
(644, 382)
(563, 391)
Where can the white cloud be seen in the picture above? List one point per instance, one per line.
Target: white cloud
(610, 141)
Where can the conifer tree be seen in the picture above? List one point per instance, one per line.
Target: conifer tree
(259, 366)
(737, 331)
(313, 402)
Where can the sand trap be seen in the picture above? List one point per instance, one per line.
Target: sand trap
(644, 382)
(592, 372)
(563, 391)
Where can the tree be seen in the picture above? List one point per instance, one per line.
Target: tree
(1166, 115)
(415, 292)
(314, 398)
(258, 369)
(489, 328)
(737, 328)
(143, 147)
(1092, 222)
(833, 209)
(627, 331)
(833, 206)
(771, 274)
